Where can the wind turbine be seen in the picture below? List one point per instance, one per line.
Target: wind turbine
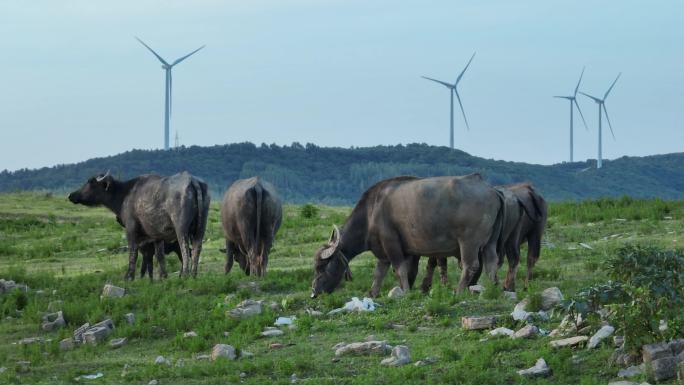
(602, 108)
(169, 86)
(573, 104)
(453, 90)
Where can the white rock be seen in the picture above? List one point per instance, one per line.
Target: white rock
(272, 333)
(551, 297)
(118, 342)
(245, 309)
(601, 334)
(280, 321)
(160, 360)
(586, 246)
(53, 321)
(400, 356)
(425, 361)
(477, 323)
(510, 295)
(528, 331)
(519, 313)
(632, 371)
(190, 334)
(572, 341)
(130, 318)
(396, 293)
(314, 313)
(112, 291)
(501, 332)
(364, 348)
(223, 351)
(540, 369)
(153, 382)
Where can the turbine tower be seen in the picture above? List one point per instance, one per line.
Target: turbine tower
(602, 108)
(453, 90)
(573, 104)
(169, 86)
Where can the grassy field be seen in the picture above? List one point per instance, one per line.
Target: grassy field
(68, 253)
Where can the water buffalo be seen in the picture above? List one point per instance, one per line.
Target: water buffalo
(525, 222)
(153, 209)
(251, 214)
(403, 218)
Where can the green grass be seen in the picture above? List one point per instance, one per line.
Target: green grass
(69, 252)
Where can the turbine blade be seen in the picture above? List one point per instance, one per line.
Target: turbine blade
(458, 79)
(186, 56)
(579, 81)
(597, 100)
(611, 86)
(565, 97)
(438, 81)
(608, 119)
(151, 50)
(462, 110)
(581, 114)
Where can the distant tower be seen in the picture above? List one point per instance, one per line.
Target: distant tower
(176, 142)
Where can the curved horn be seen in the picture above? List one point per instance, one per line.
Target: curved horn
(332, 244)
(101, 178)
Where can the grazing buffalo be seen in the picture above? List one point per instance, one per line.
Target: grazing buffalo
(153, 209)
(403, 218)
(251, 214)
(525, 221)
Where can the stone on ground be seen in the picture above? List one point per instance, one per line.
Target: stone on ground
(477, 323)
(78, 333)
(400, 356)
(501, 332)
(600, 335)
(364, 348)
(677, 346)
(53, 321)
(425, 361)
(510, 295)
(664, 368)
(652, 352)
(551, 298)
(67, 344)
(161, 360)
(130, 318)
(223, 351)
(118, 342)
(112, 291)
(572, 341)
(632, 371)
(540, 369)
(245, 309)
(272, 332)
(396, 293)
(528, 331)
(189, 334)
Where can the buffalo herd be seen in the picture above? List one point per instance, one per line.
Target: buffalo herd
(398, 219)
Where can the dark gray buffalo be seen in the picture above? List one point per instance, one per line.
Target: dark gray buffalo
(403, 218)
(525, 220)
(251, 214)
(153, 209)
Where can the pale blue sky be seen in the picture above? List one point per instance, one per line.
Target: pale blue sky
(74, 83)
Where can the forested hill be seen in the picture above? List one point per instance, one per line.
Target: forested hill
(339, 176)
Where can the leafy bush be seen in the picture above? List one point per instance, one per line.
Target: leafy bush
(309, 211)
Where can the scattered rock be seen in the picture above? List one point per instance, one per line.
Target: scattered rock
(111, 291)
(95, 334)
(314, 313)
(53, 321)
(190, 334)
(664, 368)
(631, 371)
(364, 348)
(540, 369)
(293, 378)
(400, 356)
(130, 318)
(572, 341)
(600, 335)
(618, 341)
(153, 382)
(425, 361)
(201, 357)
(339, 345)
(476, 289)
(510, 295)
(528, 331)
(94, 376)
(584, 331)
(501, 332)
(551, 298)
(78, 333)
(275, 306)
(272, 332)
(356, 304)
(519, 313)
(67, 344)
(223, 351)
(160, 360)
(280, 321)
(677, 346)
(652, 352)
(246, 354)
(477, 323)
(54, 306)
(245, 309)
(9, 285)
(396, 293)
(31, 341)
(624, 359)
(118, 342)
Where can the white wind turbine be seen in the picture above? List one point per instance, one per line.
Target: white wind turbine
(602, 108)
(573, 104)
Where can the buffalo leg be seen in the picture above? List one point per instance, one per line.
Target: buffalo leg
(161, 258)
(533, 249)
(491, 262)
(230, 256)
(513, 254)
(429, 272)
(413, 270)
(470, 265)
(132, 258)
(185, 252)
(196, 250)
(443, 271)
(378, 276)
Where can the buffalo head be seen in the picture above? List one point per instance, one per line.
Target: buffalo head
(330, 265)
(95, 192)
